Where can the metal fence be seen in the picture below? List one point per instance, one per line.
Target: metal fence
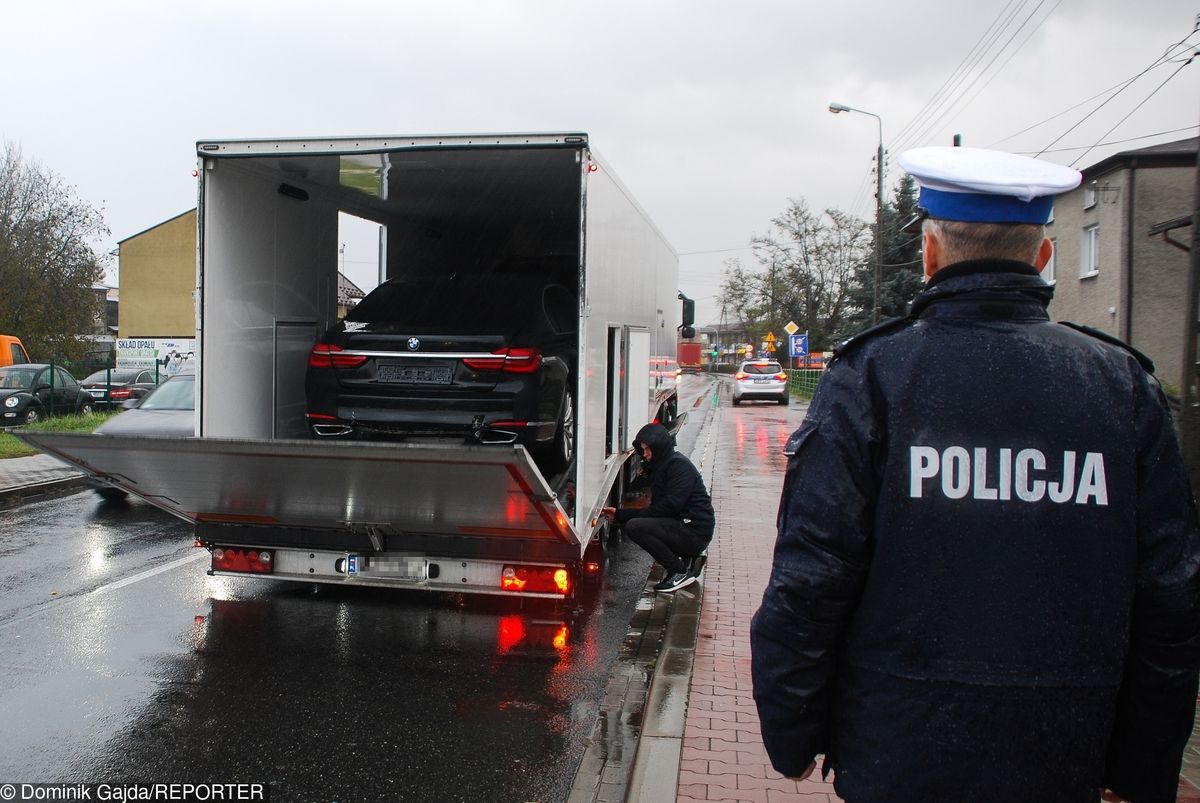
(803, 382)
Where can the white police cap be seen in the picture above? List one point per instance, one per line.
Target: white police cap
(975, 185)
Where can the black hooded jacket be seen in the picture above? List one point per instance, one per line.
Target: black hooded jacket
(676, 487)
(986, 583)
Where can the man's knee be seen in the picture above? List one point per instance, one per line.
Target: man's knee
(636, 529)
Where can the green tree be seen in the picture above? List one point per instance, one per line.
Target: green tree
(48, 265)
(806, 263)
(901, 277)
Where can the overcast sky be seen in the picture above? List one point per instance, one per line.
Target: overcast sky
(714, 114)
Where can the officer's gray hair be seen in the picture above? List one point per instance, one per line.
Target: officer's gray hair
(962, 241)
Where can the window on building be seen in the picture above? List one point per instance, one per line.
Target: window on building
(1089, 195)
(1048, 271)
(1089, 252)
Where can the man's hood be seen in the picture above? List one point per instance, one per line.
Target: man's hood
(659, 439)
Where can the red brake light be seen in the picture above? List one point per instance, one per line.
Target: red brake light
(254, 561)
(540, 579)
(510, 361)
(327, 355)
(120, 393)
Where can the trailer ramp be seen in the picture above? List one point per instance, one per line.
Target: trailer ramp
(427, 490)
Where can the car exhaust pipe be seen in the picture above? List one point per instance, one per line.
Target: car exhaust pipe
(491, 435)
(331, 430)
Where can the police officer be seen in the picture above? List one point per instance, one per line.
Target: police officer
(677, 525)
(985, 581)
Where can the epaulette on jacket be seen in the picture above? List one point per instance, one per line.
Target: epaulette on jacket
(848, 345)
(1146, 362)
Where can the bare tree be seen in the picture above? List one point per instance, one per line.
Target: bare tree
(807, 264)
(48, 265)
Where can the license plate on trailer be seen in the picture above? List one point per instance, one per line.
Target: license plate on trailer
(415, 374)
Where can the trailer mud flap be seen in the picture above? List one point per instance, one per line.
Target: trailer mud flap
(493, 492)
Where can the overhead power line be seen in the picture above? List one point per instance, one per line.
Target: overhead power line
(1131, 111)
(1167, 54)
(1117, 141)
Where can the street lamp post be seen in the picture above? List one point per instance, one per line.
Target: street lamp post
(839, 107)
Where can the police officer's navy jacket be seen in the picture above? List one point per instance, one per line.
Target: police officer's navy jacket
(676, 487)
(986, 574)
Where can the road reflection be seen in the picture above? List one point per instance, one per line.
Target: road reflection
(331, 693)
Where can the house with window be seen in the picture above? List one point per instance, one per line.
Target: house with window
(1116, 267)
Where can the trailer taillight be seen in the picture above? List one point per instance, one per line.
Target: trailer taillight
(536, 579)
(327, 355)
(235, 559)
(508, 360)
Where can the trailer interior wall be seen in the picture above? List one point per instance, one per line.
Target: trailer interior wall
(268, 279)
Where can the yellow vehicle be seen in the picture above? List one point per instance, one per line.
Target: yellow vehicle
(12, 351)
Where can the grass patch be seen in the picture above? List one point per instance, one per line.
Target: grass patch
(11, 447)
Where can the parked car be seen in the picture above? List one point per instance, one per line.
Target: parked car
(111, 387)
(481, 358)
(33, 391)
(12, 350)
(167, 411)
(761, 379)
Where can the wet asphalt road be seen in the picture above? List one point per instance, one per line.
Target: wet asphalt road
(121, 661)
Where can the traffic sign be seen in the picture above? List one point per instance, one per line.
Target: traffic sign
(799, 344)
(791, 328)
(770, 337)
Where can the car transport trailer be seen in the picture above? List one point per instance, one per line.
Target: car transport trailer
(474, 513)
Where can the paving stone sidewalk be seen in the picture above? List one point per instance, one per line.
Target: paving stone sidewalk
(723, 756)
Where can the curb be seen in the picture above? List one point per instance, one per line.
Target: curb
(21, 493)
(655, 774)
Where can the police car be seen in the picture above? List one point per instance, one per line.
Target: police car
(760, 379)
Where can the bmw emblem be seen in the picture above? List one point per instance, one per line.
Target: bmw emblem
(413, 344)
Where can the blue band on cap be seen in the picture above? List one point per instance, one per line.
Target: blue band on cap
(973, 207)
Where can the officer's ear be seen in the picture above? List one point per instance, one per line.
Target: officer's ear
(930, 253)
(1045, 251)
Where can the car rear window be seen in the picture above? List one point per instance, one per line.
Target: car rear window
(462, 304)
(762, 368)
(118, 376)
(177, 393)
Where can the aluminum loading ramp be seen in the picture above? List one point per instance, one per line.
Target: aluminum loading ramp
(489, 492)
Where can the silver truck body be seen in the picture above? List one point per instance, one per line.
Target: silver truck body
(267, 289)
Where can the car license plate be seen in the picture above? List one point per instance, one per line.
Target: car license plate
(762, 379)
(414, 374)
(99, 394)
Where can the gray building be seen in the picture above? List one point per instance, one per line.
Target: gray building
(1121, 261)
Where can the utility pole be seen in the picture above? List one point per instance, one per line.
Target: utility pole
(1189, 421)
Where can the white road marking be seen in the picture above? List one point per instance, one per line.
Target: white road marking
(166, 567)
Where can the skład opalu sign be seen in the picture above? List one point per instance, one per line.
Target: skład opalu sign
(169, 354)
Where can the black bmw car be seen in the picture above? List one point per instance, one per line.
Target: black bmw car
(33, 391)
(487, 359)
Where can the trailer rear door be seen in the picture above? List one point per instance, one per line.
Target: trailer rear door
(428, 489)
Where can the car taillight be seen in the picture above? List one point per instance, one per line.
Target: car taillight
(120, 393)
(327, 355)
(510, 361)
(538, 579)
(740, 375)
(236, 559)
(781, 375)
